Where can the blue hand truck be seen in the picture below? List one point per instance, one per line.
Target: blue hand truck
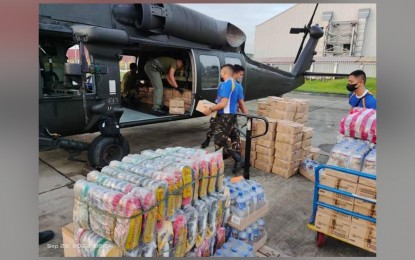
(321, 237)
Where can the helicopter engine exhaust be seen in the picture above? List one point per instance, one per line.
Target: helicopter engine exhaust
(180, 22)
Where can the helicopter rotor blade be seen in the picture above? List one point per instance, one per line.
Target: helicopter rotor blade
(306, 30)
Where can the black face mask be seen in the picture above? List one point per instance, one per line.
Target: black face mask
(351, 87)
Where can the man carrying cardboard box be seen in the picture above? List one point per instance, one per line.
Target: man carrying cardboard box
(226, 106)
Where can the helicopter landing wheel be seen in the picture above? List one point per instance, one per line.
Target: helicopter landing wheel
(103, 150)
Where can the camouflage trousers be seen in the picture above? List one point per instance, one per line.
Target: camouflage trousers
(222, 128)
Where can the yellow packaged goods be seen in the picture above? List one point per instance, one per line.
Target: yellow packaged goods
(89, 244)
(288, 138)
(288, 156)
(342, 175)
(264, 150)
(306, 143)
(164, 238)
(284, 172)
(266, 143)
(272, 125)
(288, 127)
(287, 148)
(269, 159)
(263, 166)
(366, 191)
(307, 132)
(281, 115)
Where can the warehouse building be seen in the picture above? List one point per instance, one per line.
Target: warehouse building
(349, 40)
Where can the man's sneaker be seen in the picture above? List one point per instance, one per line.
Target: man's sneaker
(158, 112)
(45, 236)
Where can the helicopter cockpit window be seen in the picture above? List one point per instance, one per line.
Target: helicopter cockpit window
(232, 61)
(210, 71)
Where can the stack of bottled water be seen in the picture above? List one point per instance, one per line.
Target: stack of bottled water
(246, 196)
(251, 234)
(235, 248)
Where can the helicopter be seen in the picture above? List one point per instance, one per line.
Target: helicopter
(84, 96)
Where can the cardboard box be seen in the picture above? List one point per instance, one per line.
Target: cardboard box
(253, 157)
(187, 94)
(176, 94)
(308, 174)
(203, 104)
(336, 215)
(365, 211)
(176, 102)
(261, 113)
(176, 110)
(288, 138)
(298, 116)
(284, 172)
(315, 153)
(242, 223)
(347, 186)
(366, 191)
(264, 150)
(335, 202)
(363, 223)
(327, 224)
(262, 105)
(69, 249)
(329, 181)
(269, 159)
(272, 99)
(306, 143)
(367, 245)
(281, 115)
(288, 148)
(286, 164)
(367, 182)
(253, 143)
(364, 204)
(307, 132)
(266, 143)
(342, 175)
(362, 232)
(302, 104)
(187, 101)
(272, 125)
(284, 106)
(288, 127)
(269, 136)
(333, 195)
(263, 166)
(289, 157)
(187, 107)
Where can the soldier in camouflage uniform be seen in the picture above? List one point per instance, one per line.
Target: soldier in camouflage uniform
(224, 124)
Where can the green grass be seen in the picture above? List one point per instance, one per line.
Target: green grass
(336, 86)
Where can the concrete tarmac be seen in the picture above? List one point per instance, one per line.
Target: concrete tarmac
(290, 199)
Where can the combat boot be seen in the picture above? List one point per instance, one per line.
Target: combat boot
(205, 143)
(239, 162)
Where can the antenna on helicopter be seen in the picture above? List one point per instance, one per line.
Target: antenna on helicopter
(304, 30)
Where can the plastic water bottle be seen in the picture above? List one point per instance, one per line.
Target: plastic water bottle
(233, 193)
(234, 233)
(255, 232)
(234, 252)
(241, 204)
(247, 196)
(261, 195)
(243, 236)
(254, 198)
(261, 225)
(250, 251)
(218, 253)
(249, 233)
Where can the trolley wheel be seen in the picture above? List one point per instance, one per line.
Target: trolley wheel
(320, 239)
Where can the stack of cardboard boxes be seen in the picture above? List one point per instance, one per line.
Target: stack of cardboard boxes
(145, 95)
(357, 231)
(287, 141)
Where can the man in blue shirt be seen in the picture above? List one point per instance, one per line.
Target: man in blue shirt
(226, 106)
(359, 96)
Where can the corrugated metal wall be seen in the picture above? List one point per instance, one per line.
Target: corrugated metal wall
(272, 38)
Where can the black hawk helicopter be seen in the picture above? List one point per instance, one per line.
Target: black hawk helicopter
(84, 97)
